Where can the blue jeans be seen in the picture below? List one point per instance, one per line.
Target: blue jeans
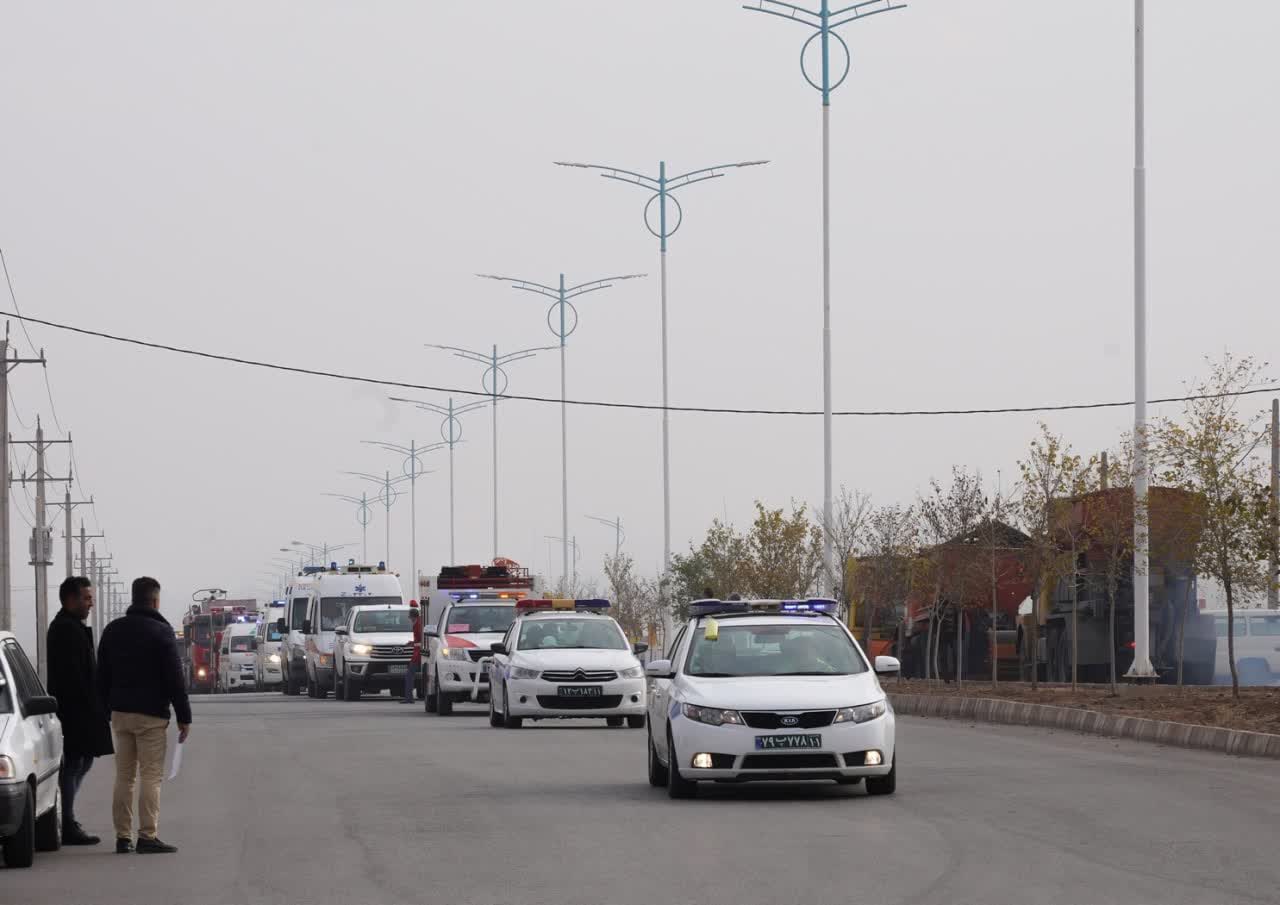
(409, 675)
(74, 769)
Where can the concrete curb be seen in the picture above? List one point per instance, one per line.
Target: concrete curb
(1092, 722)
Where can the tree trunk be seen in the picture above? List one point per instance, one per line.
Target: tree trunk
(902, 640)
(1182, 630)
(1075, 620)
(1112, 581)
(928, 645)
(995, 610)
(1231, 633)
(1035, 640)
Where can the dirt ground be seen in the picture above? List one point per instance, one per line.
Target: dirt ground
(1256, 710)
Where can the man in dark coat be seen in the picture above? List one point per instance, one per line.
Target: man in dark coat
(139, 676)
(86, 732)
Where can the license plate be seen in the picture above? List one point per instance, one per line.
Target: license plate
(398, 669)
(580, 691)
(787, 742)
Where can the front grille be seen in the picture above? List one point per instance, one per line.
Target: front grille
(478, 654)
(789, 762)
(812, 719)
(579, 675)
(555, 702)
(391, 652)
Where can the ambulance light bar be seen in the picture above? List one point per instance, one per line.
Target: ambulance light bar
(591, 604)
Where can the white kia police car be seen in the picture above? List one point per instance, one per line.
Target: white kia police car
(768, 690)
(566, 659)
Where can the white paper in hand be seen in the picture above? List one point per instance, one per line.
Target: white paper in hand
(174, 754)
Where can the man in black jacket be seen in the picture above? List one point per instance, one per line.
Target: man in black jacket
(86, 733)
(139, 676)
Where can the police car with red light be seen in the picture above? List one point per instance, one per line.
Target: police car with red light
(769, 690)
(566, 659)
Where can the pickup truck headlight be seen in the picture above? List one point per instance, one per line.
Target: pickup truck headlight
(631, 672)
(274, 658)
(361, 650)
(711, 716)
(519, 672)
(863, 714)
(454, 653)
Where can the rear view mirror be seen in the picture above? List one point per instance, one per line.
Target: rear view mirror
(41, 705)
(498, 647)
(281, 627)
(429, 631)
(639, 648)
(341, 630)
(888, 665)
(659, 669)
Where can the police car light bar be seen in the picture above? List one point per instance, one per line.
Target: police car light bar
(718, 607)
(561, 604)
(812, 605)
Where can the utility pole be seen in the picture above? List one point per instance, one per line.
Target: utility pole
(41, 544)
(67, 505)
(7, 364)
(618, 533)
(1273, 591)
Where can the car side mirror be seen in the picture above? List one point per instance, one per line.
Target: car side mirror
(282, 627)
(498, 647)
(429, 631)
(639, 648)
(659, 669)
(888, 665)
(341, 630)
(41, 705)
(306, 626)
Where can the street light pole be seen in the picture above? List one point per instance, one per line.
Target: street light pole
(824, 21)
(661, 188)
(413, 464)
(618, 535)
(558, 320)
(362, 516)
(387, 495)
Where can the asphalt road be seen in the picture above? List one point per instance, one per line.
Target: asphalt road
(299, 801)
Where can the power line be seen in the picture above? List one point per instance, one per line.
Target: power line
(13, 409)
(635, 406)
(53, 409)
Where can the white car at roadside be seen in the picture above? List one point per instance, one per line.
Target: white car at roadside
(769, 690)
(566, 659)
(30, 756)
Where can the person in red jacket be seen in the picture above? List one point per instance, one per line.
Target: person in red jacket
(415, 662)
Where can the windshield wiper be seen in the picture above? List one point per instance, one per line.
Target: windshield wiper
(811, 673)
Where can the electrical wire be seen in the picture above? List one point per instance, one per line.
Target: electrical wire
(13, 409)
(635, 406)
(48, 388)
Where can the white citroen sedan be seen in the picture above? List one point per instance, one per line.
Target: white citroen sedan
(768, 690)
(566, 659)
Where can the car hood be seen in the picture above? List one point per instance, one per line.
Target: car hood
(481, 640)
(572, 658)
(782, 692)
(383, 638)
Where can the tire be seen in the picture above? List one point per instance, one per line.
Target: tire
(49, 827)
(636, 722)
(657, 772)
(290, 685)
(613, 722)
(677, 785)
(428, 694)
(20, 848)
(494, 719)
(350, 690)
(508, 721)
(444, 703)
(887, 784)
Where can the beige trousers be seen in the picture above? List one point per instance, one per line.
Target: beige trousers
(141, 742)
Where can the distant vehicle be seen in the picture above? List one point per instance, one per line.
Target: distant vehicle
(471, 608)
(372, 651)
(566, 659)
(202, 629)
(268, 673)
(293, 643)
(332, 596)
(30, 755)
(238, 657)
(1257, 646)
(769, 690)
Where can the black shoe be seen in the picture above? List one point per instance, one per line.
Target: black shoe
(154, 847)
(74, 834)
(124, 846)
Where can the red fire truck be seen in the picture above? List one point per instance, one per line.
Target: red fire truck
(202, 624)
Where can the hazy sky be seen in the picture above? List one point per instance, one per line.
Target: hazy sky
(315, 183)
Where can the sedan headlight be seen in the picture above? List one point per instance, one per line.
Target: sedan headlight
(711, 716)
(7, 769)
(863, 714)
(274, 658)
(361, 650)
(631, 672)
(519, 672)
(454, 653)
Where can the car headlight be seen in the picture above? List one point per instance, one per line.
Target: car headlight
(863, 714)
(519, 672)
(274, 658)
(7, 769)
(711, 716)
(454, 653)
(361, 650)
(631, 672)
(201, 672)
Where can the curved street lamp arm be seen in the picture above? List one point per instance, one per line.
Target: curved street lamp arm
(654, 187)
(583, 288)
(786, 11)
(639, 179)
(686, 178)
(521, 284)
(887, 8)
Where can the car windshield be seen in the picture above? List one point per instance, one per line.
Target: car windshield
(242, 643)
(773, 650)
(273, 633)
(476, 619)
(1264, 625)
(201, 633)
(384, 621)
(333, 610)
(542, 634)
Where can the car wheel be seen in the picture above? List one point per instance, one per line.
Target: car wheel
(613, 722)
(350, 690)
(657, 772)
(887, 784)
(677, 785)
(636, 722)
(339, 687)
(495, 720)
(428, 695)
(20, 848)
(509, 721)
(444, 703)
(49, 827)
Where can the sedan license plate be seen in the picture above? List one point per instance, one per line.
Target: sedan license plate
(580, 691)
(787, 742)
(398, 669)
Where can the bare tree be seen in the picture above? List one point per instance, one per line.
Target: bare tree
(637, 605)
(846, 526)
(952, 516)
(882, 577)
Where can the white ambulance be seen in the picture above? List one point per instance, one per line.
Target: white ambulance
(332, 595)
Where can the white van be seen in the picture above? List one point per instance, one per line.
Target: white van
(331, 597)
(293, 644)
(1257, 644)
(269, 674)
(238, 657)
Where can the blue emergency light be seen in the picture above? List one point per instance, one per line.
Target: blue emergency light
(812, 605)
(711, 607)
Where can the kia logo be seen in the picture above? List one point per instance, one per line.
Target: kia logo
(790, 721)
